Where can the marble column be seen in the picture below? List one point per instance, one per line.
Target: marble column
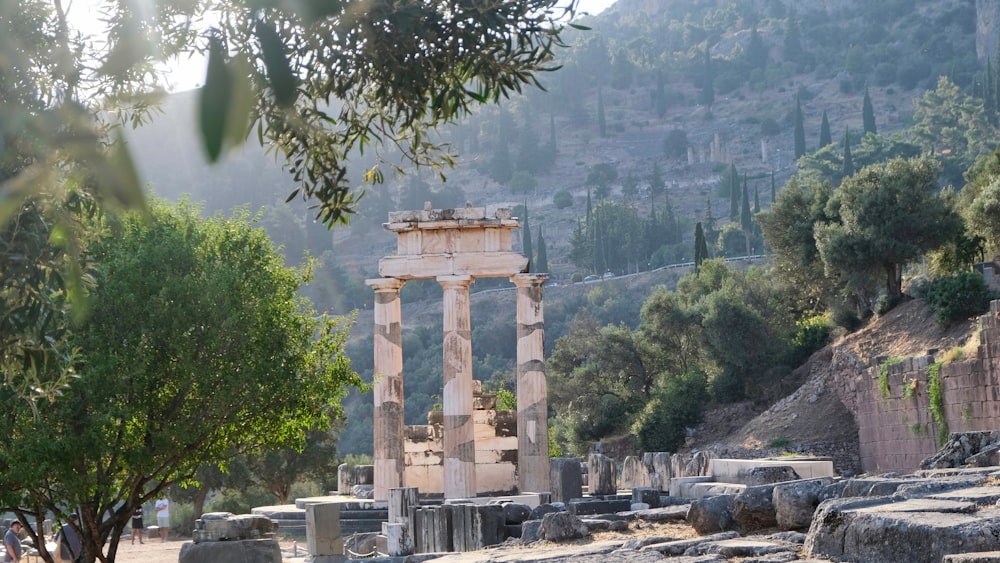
(388, 382)
(459, 437)
(532, 390)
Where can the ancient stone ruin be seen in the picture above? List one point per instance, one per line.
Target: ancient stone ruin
(454, 247)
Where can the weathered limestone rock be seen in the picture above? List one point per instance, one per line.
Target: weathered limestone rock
(712, 514)
(560, 526)
(541, 510)
(753, 509)
(662, 471)
(323, 533)
(981, 557)
(239, 551)
(960, 447)
(531, 530)
(432, 529)
(646, 495)
(888, 529)
(740, 547)
(634, 473)
(220, 526)
(678, 547)
(795, 503)
(476, 526)
(767, 475)
(601, 475)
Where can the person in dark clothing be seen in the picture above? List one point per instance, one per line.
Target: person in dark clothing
(137, 524)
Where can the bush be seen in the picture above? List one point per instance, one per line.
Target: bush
(810, 335)
(958, 297)
(562, 199)
(678, 404)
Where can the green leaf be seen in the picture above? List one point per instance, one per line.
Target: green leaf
(279, 72)
(215, 98)
(241, 100)
(580, 27)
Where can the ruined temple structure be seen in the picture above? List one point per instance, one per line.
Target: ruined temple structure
(454, 247)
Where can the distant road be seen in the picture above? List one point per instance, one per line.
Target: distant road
(626, 276)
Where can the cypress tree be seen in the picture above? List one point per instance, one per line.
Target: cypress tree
(542, 263)
(746, 218)
(868, 114)
(800, 130)
(700, 247)
(590, 209)
(772, 188)
(602, 125)
(526, 237)
(824, 132)
(734, 193)
(660, 97)
(756, 199)
(708, 81)
(600, 261)
(848, 161)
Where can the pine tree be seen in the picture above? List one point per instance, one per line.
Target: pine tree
(800, 130)
(542, 261)
(734, 193)
(526, 237)
(756, 199)
(602, 125)
(700, 247)
(824, 132)
(868, 114)
(848, 161)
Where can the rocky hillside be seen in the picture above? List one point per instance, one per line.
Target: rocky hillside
(812, 419)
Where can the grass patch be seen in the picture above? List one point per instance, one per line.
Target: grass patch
(883, 375)
(779, 443)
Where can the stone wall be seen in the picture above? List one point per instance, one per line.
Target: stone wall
(496, 451)
(896, 426)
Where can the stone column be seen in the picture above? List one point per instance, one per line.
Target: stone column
(388, 416)
(532, 391)
(459, 437)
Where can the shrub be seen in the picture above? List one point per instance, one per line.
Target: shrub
(562, 199)
(958, 297)
(809, 335)
(676, 405)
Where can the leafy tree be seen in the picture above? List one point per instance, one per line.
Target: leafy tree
(868, 114)
(824, 132)
(196, 347)
(630, 187)
(675, 145)
(799, 130)
(275, 70)
(888, 215)
(707, 95)
(674, 407)
(657, 186)
(562, 199)
(755, 54)
(952, 126)
(523, 182)
(958, 297)
(601, 176)
(788, 231)
(278, 469)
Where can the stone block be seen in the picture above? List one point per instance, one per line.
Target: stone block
(646, 495)
(796, 502)
(566, 479)
(432, 529)
(711, 515)
(221, 526)
(323, 533)
(364, 475)
(601, 475)
(239, 551)
(560, 526)
(516, 513)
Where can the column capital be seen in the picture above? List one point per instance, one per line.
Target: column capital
(385, 284)
(529, 280)
(455, 281)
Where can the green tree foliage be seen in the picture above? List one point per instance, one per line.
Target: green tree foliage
(707, 95)
(602, 125)
(630, 187)
(601, 177)
(958, 297)
(277, 470)
(788, 231)
(526, 247)
(523, 182)
(888, 215)
(746, 216)
(274, 71)
(619, 239)
(952, 126)
(868, 114)
(675, 145)
(562, 199)
(847, 162)
(755, 53)
(734, 193)
(660, 104)
(674, 407)
(196, 347)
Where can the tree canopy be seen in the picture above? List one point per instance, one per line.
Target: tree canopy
(196, 342)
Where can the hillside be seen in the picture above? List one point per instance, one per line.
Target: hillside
(812, 419)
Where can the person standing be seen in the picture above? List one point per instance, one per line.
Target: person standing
(12, 543)
(68, 541)
(137, 524)
(163, 517)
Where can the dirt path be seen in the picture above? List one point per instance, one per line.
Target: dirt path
(168, 552)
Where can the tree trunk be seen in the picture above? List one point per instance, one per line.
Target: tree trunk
(199, 501)
(892, 280)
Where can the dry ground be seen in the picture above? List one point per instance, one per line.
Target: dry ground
(168, 552)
